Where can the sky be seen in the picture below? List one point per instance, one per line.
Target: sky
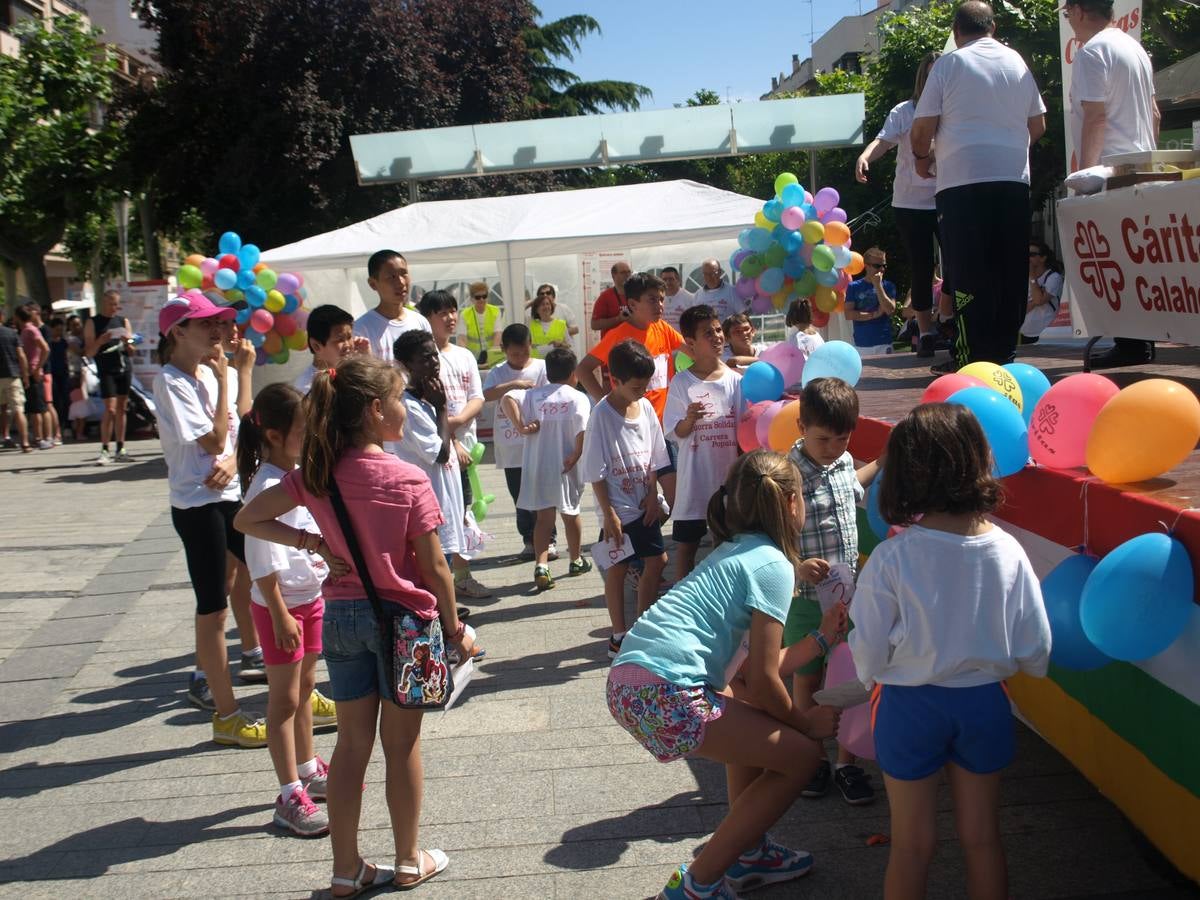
(675, 47)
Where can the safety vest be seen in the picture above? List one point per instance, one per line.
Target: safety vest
(543, 336)
(480, 338)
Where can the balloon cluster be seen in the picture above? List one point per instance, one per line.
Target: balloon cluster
(270, 304)
(799, 247)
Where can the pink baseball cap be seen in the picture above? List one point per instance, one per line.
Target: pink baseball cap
(191, 306)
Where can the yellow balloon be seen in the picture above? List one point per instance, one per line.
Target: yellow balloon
(297, 340)
(275, 302)
(1145, 430)
(825, 298)
(998, 379)
(812, 231)
(779, 299)
(762, 221)
(784, 429)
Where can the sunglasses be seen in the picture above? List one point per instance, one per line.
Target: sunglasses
(1035, 253)
(479, 296)
(882, 265)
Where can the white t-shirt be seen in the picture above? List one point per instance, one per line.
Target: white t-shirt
(300, 574)
(706, 454)
(382, 333)
(933, 607)
(1039, 317)
(909, 190)
(563, 414)
(806, 342)
(674, 306)
(304, 380)
(459, 374)
(235, 421)
(1113, 69)
(623, 453)
(723, 299)
(985, 95)
(420, 446)
(510, 445)
(185, 407)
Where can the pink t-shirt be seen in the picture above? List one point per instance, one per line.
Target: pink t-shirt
(31, 345)
(390, 502)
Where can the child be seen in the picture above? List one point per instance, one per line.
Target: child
(350, 412)
(740, 349)
(805, 336)
(831, 490)
(623, 454)
(944, 613)
(330, 340)
(388, 276)
(668, 684)
(287, 610)
(191, 393)
(517, 374)
(701, 416)
(553, 419)
(870, 304)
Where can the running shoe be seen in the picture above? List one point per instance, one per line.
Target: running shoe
(324, 710)
(104, 458)
(123, 456)
(469, 587)
(198, 693)
(317, 784)
(252, 670)
(552, 552)
(855, 785)
(681, 887)
(768, 864)
(614, 646)
(240, 730)
(542, 578)
(300, 815)
(45, 444)
(580, 566)
(819, 785)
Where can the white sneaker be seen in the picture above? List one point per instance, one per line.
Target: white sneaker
(104, 458)
(553, 551)
(300, 815)
(45, 444)
(469, 587)
(123, 456)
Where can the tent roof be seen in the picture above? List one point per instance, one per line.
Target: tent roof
(530, 225)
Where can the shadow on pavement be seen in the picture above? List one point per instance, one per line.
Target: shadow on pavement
(48, 776)
(141, 471)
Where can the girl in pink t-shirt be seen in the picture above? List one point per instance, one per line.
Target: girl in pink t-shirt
(352, 411)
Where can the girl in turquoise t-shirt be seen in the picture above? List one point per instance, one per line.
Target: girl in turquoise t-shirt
(669, 686)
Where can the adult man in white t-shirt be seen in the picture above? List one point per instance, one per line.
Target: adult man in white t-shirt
(1112, 111)
(388, 276)
(676, 298)
(716, 292)
(984, 107)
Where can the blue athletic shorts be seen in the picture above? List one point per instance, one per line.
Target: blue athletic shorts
(918, 730)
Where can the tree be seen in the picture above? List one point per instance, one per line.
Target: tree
(54, 157)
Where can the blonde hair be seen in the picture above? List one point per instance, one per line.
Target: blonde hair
(923, 68)
(755, 497)
(335, 411)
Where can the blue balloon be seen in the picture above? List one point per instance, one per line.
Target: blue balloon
(1139, 598)
(1002, 425)
(1062, 591)
(256, 296)
(762, 381)
(773, 209)
(794, 266)
(255, 337)
(793, 195)
(810, 212)
(829, 279)
(878, 523)
(744, 238)
(229, 242)
(792, 242)
(243, 315)
(760, 239)
(248, 256)
(771, 280)
(225, 278)
(245, 277)
(291, 303)
(1033, 384)
(835, 359)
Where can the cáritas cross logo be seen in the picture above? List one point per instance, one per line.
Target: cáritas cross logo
(1097, 268)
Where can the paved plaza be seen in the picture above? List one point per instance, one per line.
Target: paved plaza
(111, 787)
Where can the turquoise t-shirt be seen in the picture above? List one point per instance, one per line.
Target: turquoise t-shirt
(689, 636)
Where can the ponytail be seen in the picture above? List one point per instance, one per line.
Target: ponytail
(274, 408)
(166, 344)
(756, 497)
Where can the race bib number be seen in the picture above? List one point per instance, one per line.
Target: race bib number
(838, 587)
(607, 555)
(658, 381)
(714, 402)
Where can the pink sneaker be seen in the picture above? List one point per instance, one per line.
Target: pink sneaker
(316, 785)
(300, 815)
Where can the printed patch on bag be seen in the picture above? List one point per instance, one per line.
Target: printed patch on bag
(423, 678)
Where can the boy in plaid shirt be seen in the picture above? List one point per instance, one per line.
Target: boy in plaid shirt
(832, 489)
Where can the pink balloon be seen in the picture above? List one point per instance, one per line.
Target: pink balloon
(748, 426)
(285, 325)
(300, 317)
(806, 252)
(261, 320)
(854, 730)
(808, 198)
(1063, 417)
(762, 427)
(787, 358)
(941, 388)
(299, 276)
(208, 266)
(843, 281)
(792, 218)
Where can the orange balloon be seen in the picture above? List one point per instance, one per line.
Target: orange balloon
(779, 299)
(785, 428)
(194, 259)
(272, 343)
(841, 307)
(258, 267)
(1145, 430)
(856, 263)
(836, 233)
(825, 298)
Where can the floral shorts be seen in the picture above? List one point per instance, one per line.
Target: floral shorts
(667, 719)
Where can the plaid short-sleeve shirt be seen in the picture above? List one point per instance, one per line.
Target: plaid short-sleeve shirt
(831, 495)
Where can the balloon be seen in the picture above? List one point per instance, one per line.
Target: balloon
(261, 320)
(854, 728)
(753, 266)
(279, 358)
(1139, 598)
(762, 429)
(748, 424)
(208, 266)
(805, 286)
(783, 180)
(291, 303)
(813, 232)
(1002, 424)
(266, 279)
(836, 233)
(762, 221)
(820, 319)
(787, 358)
(837, 214)
(1062, 419)
(1062, 592)
(843, 282)
(745, 288)
(272, 343)
(996, 378)
(833, 359)
(479, 508)
(285, 325)
(940, 389)
(760, 239)
(826, 199)
(256, 337)
(761, 305)
(189, 276)
(774, 255)
(260, 356)
(772, 210)
(301, 317)
(275, 302)
(245, 278)
(841, 256)
(762, 381)
(825, 298)
(259, 266)
(879, 525)
(784, 429)
(792, 195)
(1147, 429)
(735, 261)
(792, 218)
(193, 259)
(779, 298)
(770, 281)
(827, 277)
(248, 256)
(792, 241)
(243, 315)
(225, 279)
(856, 263)
(229, 261)
(1033, 384)
(256, 296)
(297, 340)
(794, 267)
(822, 258)
(233, 295)
(229, 242)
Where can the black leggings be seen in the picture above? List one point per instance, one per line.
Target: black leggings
(207, 533)
(918, 230)
(526, 518)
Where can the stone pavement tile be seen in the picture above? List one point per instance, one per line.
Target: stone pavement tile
(510, 887)
(22, 700)
(440, 766)
(153, 546)
(539, 741)
(97, 605)
(624, 881)
(606, 789)
(140, 562)
(505, 717)
(123, 582)
(28, 665)
(62, 632)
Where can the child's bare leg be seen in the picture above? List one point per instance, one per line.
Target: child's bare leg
(803, 687)
(976, 818)
(574, 529)
(542, 529)
(650, 581)
(914, 814)
(239, 602)
(614, 596)
(283, 692)
(685, 559)
(304, 713)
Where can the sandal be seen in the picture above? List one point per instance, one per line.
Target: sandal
(383, 875)
(440, 862)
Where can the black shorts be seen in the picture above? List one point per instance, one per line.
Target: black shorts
(207, 533)
(689, 531)
(35, 396)
(115, 384)
(647, 540)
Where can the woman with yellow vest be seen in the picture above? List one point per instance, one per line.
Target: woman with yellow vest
(481, 322)
(547, 331)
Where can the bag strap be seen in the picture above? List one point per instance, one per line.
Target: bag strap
(360, 564)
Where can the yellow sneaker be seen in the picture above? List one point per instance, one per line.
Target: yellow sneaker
(239, 730)
(324, 710)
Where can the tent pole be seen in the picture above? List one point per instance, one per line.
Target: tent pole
(413, 192)
(812, 170)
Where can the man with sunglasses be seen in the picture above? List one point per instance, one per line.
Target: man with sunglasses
(481, 323)
(870, 304)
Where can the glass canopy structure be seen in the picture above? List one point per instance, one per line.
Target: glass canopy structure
(502, 148)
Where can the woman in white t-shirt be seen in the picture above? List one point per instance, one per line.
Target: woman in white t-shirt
(1045, 292)
(912, 203)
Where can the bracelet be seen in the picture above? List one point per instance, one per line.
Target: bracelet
(457, 634)
(821, 642)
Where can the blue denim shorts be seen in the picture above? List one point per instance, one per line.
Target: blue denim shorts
(351, 647)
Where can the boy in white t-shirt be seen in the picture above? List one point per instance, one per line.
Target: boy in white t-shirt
(388, 276)
(623, 454)
(741, 350)
(553, 418)
(330, 340)
(512, 378)
(459, 374)
(701, 416)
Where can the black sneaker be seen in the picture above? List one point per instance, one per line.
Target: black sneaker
(199, 695)
(252, 670)
(614, 646)
(463, 613)
(819, 786)
(926, 345)
(1129, 353)
(855, 785)
(948, 367)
